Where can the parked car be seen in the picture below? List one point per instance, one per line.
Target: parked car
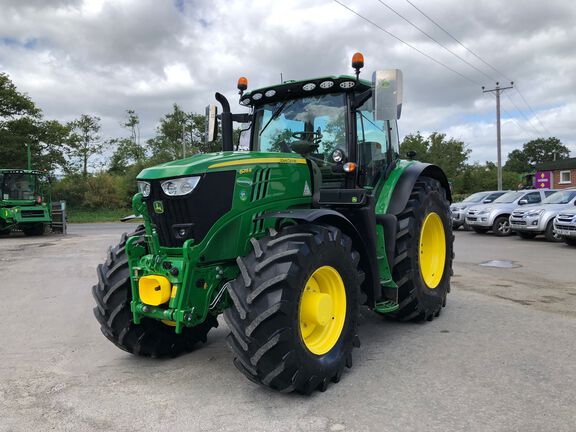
(565, 226)
(539, 219)
(496, 215)
(458, 209)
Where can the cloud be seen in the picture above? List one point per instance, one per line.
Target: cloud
(103, 57)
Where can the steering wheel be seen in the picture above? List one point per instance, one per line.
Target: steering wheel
(314, 136)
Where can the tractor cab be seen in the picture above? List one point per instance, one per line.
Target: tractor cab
(24, 201)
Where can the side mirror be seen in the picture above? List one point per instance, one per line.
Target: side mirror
(523, 201)
(387, 88)
(211, 125)
(487, 200)
(411, 154)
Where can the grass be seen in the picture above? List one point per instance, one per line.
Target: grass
(97, 215)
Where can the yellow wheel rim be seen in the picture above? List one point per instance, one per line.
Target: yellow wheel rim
(432, 251)
(322, 310)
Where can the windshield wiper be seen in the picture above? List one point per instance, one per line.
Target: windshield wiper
(276, 114)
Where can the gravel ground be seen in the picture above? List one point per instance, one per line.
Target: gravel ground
(499, 358)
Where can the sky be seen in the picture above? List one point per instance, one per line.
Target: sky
(104, 57)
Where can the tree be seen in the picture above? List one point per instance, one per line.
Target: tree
(128, 150)
(84, 141)
(449, 154)
(536, 152)
(21, 125)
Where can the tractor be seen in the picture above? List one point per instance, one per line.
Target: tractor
(319, 218)
(24, 200)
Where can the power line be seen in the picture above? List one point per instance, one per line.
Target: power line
(482, 60)
(523, 115)
(457, 41)
(436, 41)
(407, 44)
(533, 112)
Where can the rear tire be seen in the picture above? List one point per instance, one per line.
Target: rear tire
(501, 227)
(150, 338)
(526, 235)
(550, 234)
(417, 301)
(33, 229)
(265, 319)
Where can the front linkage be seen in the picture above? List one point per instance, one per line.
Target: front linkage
(172, 286)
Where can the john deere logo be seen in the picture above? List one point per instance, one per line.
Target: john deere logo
(158, 207)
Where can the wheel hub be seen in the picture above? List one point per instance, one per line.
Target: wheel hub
(432, 250)
(322, 310)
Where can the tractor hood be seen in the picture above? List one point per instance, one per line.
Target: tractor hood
(222, 161)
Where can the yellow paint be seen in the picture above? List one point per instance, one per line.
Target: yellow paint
(154, 290)
(174, 291)
(245, 170)
(253, 161)
(322, 310)
(169, 323)
(432, 250)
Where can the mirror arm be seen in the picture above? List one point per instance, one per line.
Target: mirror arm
(242, 118)
(360, 99)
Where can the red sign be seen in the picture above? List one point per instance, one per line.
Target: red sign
(543, 179)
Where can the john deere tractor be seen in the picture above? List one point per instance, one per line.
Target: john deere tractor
(24, 201)
(289, 239)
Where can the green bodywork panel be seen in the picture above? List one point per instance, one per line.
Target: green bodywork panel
(15, 212)
(204, 267)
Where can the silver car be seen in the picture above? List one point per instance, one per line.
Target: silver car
(539, 219)
(565, 226)
(496, 215)
(458, 209)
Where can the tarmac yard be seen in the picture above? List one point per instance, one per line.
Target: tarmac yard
(501, 357)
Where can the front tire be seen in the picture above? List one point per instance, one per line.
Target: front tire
(550, 234)
(424, 253)
(501, 227)
(150, 338)
(295, 308)
(33, 229)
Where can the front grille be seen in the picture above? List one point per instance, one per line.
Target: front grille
(32, 213)
(517, 222)
(191, 216)
(565, 227)
(472, 218)
(565, 218)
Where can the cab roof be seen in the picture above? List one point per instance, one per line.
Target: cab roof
(295, 89)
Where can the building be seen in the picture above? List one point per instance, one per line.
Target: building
(560, 174)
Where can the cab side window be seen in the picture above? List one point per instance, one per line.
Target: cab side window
(533, 197)
(372, 139)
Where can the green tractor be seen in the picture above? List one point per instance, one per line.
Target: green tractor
(24, 201)
(288, 240)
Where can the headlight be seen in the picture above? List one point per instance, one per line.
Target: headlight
(144, 188)
(337, 155)
(533, 213)
(485, 211)
(179, 186)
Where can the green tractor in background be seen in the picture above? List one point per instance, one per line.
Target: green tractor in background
(289, 239)
(24, 200)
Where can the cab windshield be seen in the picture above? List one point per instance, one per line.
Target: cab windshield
(317, 122)
(509, 197)
(477, 197)
(18, 186)
(563, 197)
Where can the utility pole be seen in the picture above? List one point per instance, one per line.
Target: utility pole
(498, 90)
